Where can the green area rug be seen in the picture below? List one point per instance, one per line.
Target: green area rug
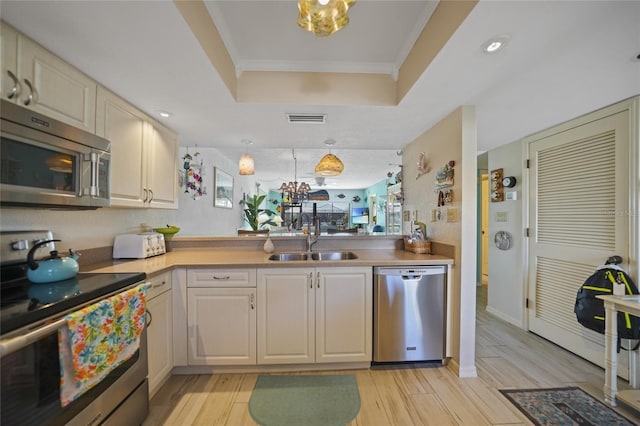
(282, 400)
(563, 406)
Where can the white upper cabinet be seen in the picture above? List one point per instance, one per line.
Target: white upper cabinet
(124, 126)
(162, 167)
(35, 78)
(143, 154)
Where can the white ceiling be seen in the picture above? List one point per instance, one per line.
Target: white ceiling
(563, 59)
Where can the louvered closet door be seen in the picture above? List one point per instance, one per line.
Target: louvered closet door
(579, 191)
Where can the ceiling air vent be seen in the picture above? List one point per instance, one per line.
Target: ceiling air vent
(307, 118)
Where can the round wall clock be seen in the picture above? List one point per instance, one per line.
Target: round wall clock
(503, 240)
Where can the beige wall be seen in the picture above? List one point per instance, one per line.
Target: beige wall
(507, 268)
(453, 138)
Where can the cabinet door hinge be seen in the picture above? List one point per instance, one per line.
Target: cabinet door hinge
(526, 303)
(527, 163)
(526, 232)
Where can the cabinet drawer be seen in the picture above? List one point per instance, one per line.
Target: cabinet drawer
(221, 278)
(158, 284)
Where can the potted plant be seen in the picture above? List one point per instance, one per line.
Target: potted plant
(254, 215)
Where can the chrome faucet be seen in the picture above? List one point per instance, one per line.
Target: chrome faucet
(311, 239)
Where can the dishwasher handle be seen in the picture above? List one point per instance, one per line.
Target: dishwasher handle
(411, 271)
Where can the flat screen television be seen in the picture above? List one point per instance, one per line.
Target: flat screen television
(360, 215)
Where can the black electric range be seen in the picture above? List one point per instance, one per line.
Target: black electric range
(23, 303)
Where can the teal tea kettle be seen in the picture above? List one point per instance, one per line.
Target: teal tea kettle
(52, 268)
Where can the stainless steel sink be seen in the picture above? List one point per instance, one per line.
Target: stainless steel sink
(288, 256)
(333, 255)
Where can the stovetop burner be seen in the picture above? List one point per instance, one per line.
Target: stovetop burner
(23, 302)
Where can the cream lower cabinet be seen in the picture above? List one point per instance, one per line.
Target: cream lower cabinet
(159, 330)
(221, 317)
(314, 315)
(36, 79)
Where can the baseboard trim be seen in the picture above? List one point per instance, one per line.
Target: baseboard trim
(504, 317)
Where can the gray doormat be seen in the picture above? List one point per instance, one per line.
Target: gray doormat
(283, 400)
(563, 406)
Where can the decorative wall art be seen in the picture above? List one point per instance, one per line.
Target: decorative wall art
(191, 175)
(444, 181)
(444, 176)
(495, 186)
(423, 166)
(223, 189)
(503, 240)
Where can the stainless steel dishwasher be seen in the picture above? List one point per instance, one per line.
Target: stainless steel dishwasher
(409, 314)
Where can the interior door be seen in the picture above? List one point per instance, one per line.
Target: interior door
(579, 187)
(484, 193)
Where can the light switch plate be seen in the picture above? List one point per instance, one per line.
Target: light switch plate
(452, 215)
(502, 217)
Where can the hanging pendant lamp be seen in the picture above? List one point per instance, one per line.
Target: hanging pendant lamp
(323, 17)
(329, 165)
(246, 161)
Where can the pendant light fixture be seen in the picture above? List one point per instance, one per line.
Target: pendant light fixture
(246, 161)
(329, 165)
(324, 17)
(291, 192)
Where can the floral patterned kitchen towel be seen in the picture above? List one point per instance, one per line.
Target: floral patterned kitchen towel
(97, 339)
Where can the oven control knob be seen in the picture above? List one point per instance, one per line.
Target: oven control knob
(20, 245)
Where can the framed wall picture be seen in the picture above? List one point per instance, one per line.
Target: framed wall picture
(223, 189)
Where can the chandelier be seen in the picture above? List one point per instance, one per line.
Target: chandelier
(291, 192)
(323, 17)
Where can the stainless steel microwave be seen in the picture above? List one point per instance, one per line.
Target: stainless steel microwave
(47, 163)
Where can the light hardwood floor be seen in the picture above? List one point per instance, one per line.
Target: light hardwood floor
(506, 357)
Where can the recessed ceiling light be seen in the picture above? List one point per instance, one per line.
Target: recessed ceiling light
(494, 44)
(164, 114)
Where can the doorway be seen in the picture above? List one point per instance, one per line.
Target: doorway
(482, 232)
(484, 228)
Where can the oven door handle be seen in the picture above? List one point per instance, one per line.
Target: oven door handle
(14, 344)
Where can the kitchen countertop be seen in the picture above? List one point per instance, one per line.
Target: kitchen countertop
(242, 258)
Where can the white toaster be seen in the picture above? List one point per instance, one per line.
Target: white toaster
(138, 246)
